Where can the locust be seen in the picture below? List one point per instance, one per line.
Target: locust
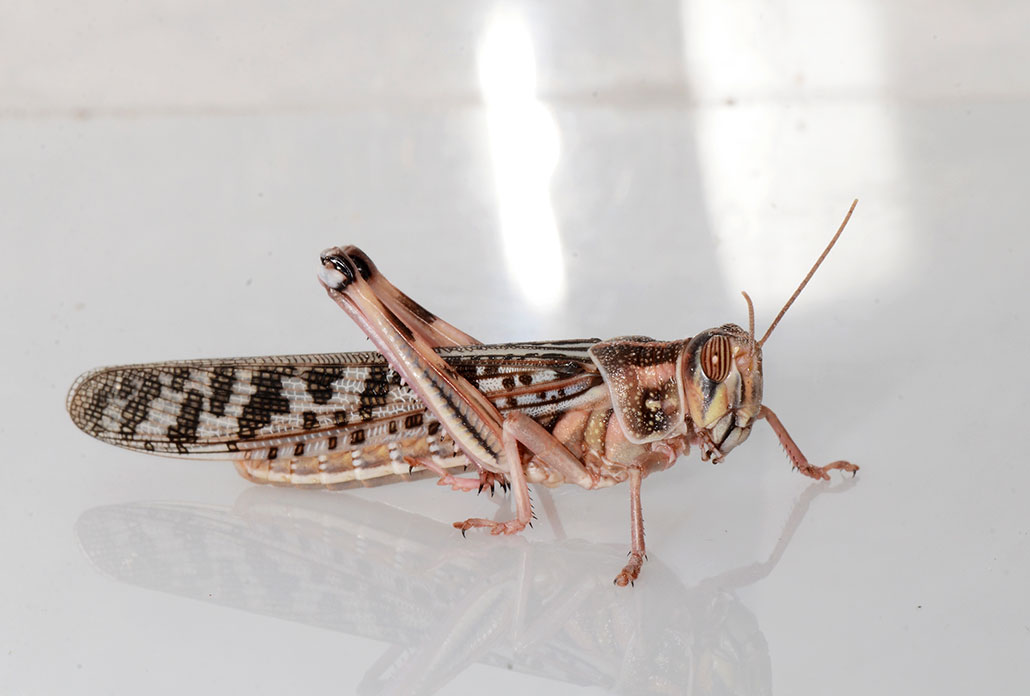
(433, 401)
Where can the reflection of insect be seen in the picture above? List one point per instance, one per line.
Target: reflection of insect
(594, 413)
(314, 560)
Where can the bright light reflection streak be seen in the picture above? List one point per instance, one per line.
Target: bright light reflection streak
(524, 144)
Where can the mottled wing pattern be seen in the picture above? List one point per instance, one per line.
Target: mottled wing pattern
(217, 408)
(303, 419)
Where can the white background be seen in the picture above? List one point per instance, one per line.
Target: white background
(169, 173)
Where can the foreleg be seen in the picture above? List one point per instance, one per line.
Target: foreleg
(521, 429)
(487, 479)
(794, 452)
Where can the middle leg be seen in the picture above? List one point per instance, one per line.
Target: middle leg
(487, 479)
(661, 457)
(519, 428)
(637, 552)
(519, 488)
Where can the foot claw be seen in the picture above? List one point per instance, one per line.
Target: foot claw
(822, 473)
(509, 527)
(489, 478)
(631, 571)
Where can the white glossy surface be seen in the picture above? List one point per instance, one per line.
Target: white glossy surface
(171, 171)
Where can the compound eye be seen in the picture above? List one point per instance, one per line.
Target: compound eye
(716, 357)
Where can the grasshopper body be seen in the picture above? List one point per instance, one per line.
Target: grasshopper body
(434, 400)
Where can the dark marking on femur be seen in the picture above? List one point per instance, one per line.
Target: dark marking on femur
(357, 437)
(361, 262)
(266, 401)
(434, 427)
(417, 309)
(450, 373)
(298, 449)
(222, 379)
(186, 423)
(397, 324)
(716, 358)
(508, 383)
(332, 442)
(319, 381)
(525, 379)
(273, 452)
(413, 421)
(392, 427)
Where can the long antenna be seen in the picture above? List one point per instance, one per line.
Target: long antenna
(810, 273)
